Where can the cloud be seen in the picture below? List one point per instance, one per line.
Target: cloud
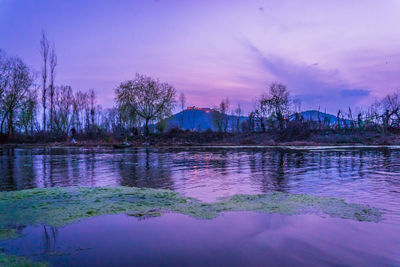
(374, 69)
(316, 87)
(355, 93)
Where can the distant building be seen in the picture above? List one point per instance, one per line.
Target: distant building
(207, 110)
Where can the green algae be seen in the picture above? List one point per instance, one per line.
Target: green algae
(6, 234)
(17, 261)
(146, 214)
(291, 204)
(61, 206)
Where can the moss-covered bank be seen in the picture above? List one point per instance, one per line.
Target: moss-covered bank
(8, 234)
(60, 206)
(17, 261)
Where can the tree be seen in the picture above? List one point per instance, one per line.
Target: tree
(63, 101)
(238, 113)
(44, 52)
(262, 111)
(220, 116)
(92, 100)
(182, 101)
(19, 81)
(28, 112)
(147, 97)
(4, 81)
(193, 119)
(79, 111)
(391, 108)
(52, 65)
(338, 116)
(276, 103)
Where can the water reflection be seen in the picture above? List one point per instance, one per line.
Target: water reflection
(368, 176)
(49, 239)
(234, 239)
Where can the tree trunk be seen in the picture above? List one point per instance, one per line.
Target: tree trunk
(10, 124)
(44, 116)
(262, 125)
(51, 107)
(2, 122)
(385, 122)
(146, 127)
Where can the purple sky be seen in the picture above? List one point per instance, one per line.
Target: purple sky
(330, 54)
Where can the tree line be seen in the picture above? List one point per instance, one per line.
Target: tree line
(34, 107)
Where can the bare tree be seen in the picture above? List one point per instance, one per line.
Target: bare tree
(391, 111)
(4, 72)
(193, 119)
(20, 80)
(63, 102)
(252, 124)
(92, 100)
(28, 112)
(52, 65)
(182, 101)
(274, 104)
(220, 116)
(148, 97)
(297, 105)
(4, 82)
(238, 113)
(44, 52)
(262, 110)
(80, 113)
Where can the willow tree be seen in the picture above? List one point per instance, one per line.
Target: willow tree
(147, 98)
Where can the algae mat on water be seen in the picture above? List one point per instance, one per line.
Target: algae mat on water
(60, 206)
(17, 261)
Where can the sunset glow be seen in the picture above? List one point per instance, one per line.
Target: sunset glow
(330, 54)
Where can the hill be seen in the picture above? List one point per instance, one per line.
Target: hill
(201, 119)
(315, 115)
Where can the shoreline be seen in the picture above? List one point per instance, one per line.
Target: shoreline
(216, 139)
(282, 145)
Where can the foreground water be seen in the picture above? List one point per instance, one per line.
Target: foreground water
(360, 175)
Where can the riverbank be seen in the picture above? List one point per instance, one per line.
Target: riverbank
(223, 139)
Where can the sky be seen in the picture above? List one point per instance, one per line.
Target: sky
(330, 54)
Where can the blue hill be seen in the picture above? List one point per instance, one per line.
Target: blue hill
(315, 115)
(202, 119)
(199, 120)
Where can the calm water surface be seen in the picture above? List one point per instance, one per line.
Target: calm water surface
(361, 175)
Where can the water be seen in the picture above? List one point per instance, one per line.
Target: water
(360, 175)
(235, 239)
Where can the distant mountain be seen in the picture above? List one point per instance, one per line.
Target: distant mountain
(192, 119)
(315, 115)
(201, 119)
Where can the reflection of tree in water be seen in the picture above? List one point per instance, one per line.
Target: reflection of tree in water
(387, 153)
(268, 167)
(145, 169)
(218, 168)
(217, 160)
(49, 239)
(16, 169)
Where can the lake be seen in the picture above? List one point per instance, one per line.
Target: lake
(363, 175)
